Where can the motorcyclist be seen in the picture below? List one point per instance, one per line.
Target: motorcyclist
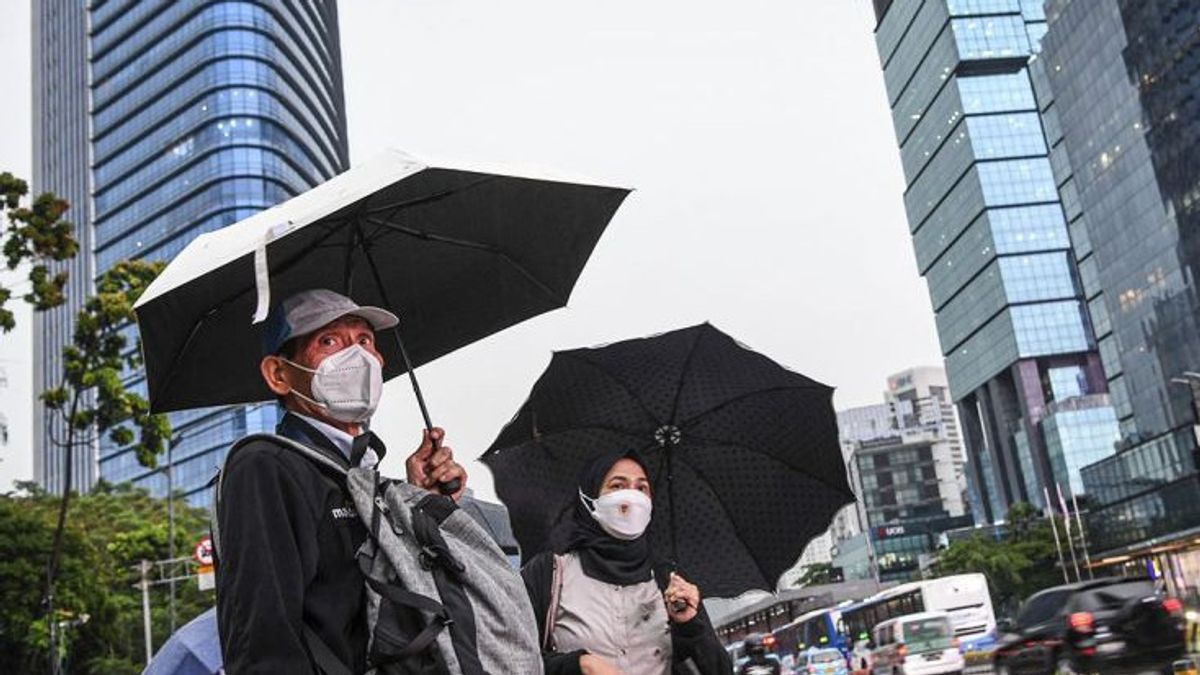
(758, 663)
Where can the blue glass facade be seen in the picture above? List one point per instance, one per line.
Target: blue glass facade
(1125, 77)
(1078, 432)
(203, 113)
(990, 233)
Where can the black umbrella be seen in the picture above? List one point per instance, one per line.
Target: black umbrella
(743, 454)
(458, 251)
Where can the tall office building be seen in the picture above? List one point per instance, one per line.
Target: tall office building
(906, 465)
(60, 165)
(201, 114)
(991, 240)
(1124, 76)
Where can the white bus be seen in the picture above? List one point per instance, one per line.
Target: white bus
(964, 597)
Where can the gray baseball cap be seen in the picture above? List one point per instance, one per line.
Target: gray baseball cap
(306, 311)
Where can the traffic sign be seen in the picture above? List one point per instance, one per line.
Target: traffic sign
(204, 551)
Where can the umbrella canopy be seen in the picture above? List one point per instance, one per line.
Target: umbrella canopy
(458, 251)
(194, 649)
(743, 454)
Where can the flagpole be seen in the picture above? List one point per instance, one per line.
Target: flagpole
(1087, 559)
(1067, 525)
(1054, 528)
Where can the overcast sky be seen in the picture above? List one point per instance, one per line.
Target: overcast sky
(757, 136)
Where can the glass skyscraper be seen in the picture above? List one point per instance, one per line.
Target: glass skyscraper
(1125, 76)
(201, 114)
(991, 239)
(60, 165)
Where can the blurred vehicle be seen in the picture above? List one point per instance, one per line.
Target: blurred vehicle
(1112, 625)
(917, 644)
(759, 660)
(736, 650)
(964, 597)
(1185, 667)
(815, 629)
(862, 661)
(826, 661)
(737, 666)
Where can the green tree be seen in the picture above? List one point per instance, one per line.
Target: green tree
(38, 235)
(1020, 563)
(816, 574)
(108, 532)
(92, 398)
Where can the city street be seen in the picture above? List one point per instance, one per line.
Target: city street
(477, 337)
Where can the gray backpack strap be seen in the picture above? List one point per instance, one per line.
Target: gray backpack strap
(304, 450)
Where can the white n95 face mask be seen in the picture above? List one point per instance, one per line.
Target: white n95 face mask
(623, 514)
(346, 384)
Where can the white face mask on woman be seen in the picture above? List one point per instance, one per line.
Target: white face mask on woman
(346, 384)
(623, 514)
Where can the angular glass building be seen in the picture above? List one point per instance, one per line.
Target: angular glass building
(201, 114)
(1125, 76)
(991, 239)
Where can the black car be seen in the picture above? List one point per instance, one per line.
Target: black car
(1112, 625)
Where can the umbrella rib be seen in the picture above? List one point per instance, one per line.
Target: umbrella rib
(721, 443)
(478, 246)
(737, 399)
(297, 257)
(649, 413)
(687, 362)
(170, 380)
(736, 530)
(391, 209)
(544, 436)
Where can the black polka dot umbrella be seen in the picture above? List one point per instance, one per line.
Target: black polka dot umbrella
(743, 453)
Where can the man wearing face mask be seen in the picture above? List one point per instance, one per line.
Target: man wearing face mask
(289, 591)
(602, 606)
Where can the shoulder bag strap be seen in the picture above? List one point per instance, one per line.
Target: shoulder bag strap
(556, 583)
(327, 663)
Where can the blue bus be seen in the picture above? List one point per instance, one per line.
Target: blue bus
(964, 597)
(818, 628)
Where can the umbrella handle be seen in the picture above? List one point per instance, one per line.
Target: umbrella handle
(451, 486)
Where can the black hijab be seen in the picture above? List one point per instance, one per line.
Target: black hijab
(604, 557)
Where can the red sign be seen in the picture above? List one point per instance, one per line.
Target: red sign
(204, 551)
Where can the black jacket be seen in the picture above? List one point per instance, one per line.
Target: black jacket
(289, 533)
(693, 640)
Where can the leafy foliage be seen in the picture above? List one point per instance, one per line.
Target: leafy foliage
(36, 234)
(1024, 560)
(93, 399)
(96, 361)
(108, 532)
(817, 574)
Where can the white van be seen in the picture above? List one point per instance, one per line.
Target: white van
(916, 644)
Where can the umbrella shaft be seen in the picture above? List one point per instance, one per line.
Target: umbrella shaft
(449, 487)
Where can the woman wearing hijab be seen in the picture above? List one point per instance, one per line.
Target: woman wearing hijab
(601, 606)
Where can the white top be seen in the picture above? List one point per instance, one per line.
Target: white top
(626, 625)
(341, 440)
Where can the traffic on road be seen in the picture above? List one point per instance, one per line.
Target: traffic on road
(948, 625)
